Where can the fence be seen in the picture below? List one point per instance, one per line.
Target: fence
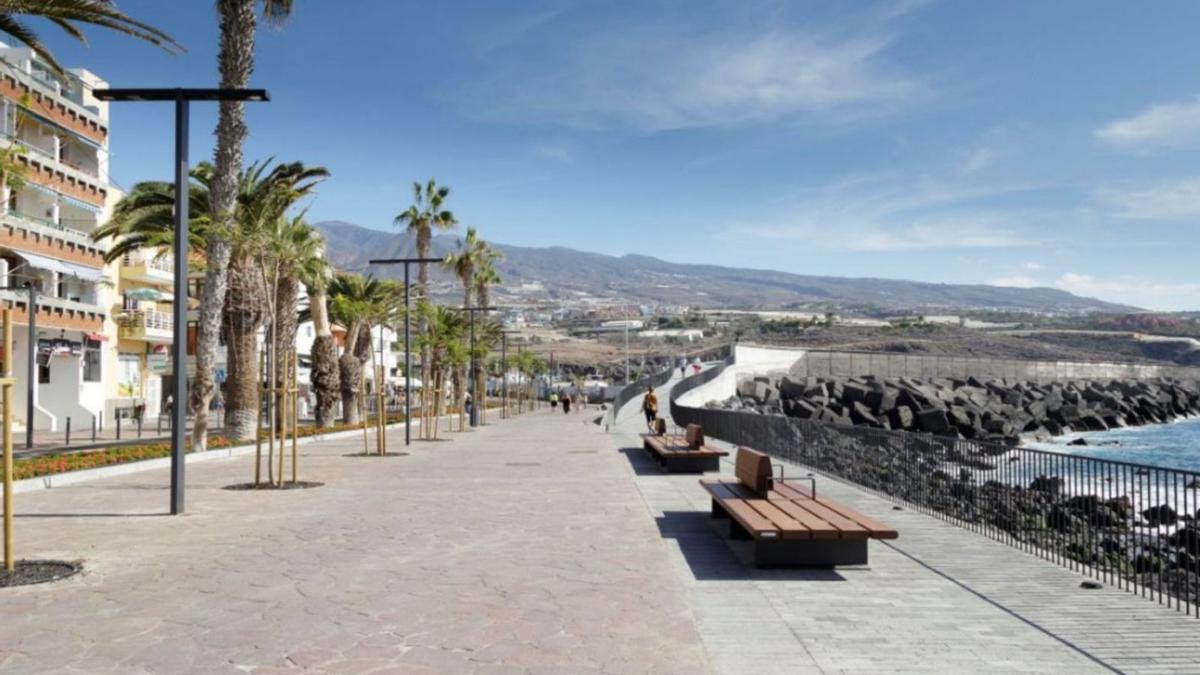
(823, 363)
(1133, 526)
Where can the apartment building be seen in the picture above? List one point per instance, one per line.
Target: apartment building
(45, 236)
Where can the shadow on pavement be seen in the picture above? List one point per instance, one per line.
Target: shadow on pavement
(642, 463)
(711, 555)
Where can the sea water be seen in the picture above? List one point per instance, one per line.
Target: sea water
(1173, 446)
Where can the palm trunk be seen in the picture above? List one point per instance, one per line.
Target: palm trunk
(324, 371)
(351, 374)
(236, 62)
(244, 317)
(286, 290)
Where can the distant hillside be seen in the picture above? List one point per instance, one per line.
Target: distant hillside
(646, 278)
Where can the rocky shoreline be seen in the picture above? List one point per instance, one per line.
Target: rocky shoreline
(992, 410)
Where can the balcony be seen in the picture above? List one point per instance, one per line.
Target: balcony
(22, 232)
(146, 267)
(46, 158)
(55, 312)
(48, 100)
(146, 326)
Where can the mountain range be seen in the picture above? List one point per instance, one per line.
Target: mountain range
(567, 272)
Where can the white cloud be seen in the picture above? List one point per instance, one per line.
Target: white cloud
(662, 77)
(1032, 266)
(979, 158)
(1124, 289)
(557, 151)
(1166, 201)
(1133, 290)
(1167, 125)
(1017, 281)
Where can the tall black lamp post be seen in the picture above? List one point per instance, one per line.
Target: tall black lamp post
(472, 311)
(407, 351)
(182, 98)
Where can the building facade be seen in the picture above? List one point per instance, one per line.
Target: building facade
(59, 194)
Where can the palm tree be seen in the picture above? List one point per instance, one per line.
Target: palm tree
(426, 214)
(358, 303)
(262, 200)
(485, 277)
(324, 374)
(443, 340)
(145, 218)
(66, 14)
(238, 25)
(464, 263)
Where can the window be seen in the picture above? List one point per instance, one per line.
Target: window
(91, 360)
(43, 372)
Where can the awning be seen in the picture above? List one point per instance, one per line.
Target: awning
(62, 267)
(62, 197)
(96, 337)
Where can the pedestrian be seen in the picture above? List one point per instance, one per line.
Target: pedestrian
(553, 399)
(683, 370)
(566, 403)
(650, 407)
(170, 403)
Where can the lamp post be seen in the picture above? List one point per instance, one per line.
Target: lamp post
(182, 98)
(504, 370)
(407, 351)
(471, 311)
(31, 351)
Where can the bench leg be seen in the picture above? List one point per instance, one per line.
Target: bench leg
(736, 531)
(809, 552)
(681, 463)
(718, 511)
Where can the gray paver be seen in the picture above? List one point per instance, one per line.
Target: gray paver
(939, 599)
(448, 560)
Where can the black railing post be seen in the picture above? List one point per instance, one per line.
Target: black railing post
(118, 416)
(68, 440)
(93, 428)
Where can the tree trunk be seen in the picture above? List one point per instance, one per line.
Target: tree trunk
(324, 371)
(350, 376)
(242, 402)
(236, 62)
(286, 325)
(243, 318)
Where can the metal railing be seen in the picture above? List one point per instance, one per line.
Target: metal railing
(1133, 526)
(163, 263)
(148, 319)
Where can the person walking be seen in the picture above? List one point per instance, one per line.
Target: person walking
(650, 407)
(553, 399)
(566, 401)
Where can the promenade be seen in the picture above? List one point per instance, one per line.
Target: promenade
(537, 544)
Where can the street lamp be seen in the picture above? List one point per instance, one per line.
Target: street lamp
(182, 98)
(407, 351)
(471, 311)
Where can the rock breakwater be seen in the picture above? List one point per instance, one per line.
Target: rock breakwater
(993, 410)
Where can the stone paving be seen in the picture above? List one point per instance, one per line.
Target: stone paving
(938, 599)
(521, 547)
(539, 544)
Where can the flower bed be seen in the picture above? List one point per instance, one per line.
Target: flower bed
(46, 465)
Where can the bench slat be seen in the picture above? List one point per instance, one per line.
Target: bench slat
(788, 527)
(801, 494)
(720, 490)
(877, 529)
(820, 528)
(754, 522)
(847, 528)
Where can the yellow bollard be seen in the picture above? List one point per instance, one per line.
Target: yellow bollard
(9, 561)
(295, 408)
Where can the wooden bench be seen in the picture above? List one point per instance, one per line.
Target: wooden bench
(788, 523)
(684, 454)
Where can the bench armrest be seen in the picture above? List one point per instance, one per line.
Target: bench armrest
(811, 479)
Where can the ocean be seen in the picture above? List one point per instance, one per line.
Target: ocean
(1173, 446)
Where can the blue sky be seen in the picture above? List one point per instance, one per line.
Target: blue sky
(1048, 144)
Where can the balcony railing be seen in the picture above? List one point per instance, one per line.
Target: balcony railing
(52, 230)
(162, 263)
(52, 302)
(45, 85)
(148, 320)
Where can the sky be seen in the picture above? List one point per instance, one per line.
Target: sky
(1051, 144)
